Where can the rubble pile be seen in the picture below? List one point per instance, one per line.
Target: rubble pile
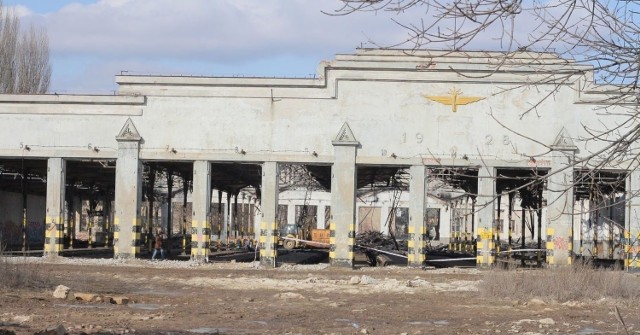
(377, 240)
(375, 245)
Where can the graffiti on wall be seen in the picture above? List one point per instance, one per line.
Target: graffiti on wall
(560, 243)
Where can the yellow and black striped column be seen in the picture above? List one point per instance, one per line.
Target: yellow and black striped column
(269, 205)
(54, 219)
(348, 243)
(201, 200)
(632, 252)
(136, 236)
(560, 246)
(127, 228)
(632, 226)
(486, 246)
(417, 212)
(343, 198)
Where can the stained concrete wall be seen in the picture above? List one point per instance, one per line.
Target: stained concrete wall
(388, 99)
(386, 106)
(11, 219)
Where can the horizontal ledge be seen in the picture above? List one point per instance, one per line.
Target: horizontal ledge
(72, 99)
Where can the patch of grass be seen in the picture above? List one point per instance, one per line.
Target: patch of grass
(18, 272)
(567, 283)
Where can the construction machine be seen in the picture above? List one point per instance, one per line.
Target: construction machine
(293, 236)
(290, 236)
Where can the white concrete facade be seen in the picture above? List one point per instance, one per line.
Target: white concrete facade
(386, 99)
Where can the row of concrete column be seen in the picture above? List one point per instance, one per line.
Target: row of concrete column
(127, 225)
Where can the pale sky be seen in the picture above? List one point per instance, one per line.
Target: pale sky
(93, 40)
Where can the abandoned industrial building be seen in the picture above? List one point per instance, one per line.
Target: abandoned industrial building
(500, 157)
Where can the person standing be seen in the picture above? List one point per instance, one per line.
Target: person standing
(159, 245)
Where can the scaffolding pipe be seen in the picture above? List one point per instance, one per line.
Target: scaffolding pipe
(185, 187)
(498, 224)
(523, 235)
(169, 209)
(539, 253)
(510, 218)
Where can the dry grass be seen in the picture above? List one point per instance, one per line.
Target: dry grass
(17, 272)
(562, 284)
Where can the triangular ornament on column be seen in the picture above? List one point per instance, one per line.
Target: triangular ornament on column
(345, 136)
(128, 132)
(563, 141)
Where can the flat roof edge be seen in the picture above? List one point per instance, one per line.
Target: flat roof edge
(72, 99)
(216, 81)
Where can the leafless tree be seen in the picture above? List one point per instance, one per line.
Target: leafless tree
(603, 34)
(24, 56)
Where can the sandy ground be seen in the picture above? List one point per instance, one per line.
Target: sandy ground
(171, 297)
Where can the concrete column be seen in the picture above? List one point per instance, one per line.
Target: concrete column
(320, 216)
(201, 206)
(54, 219)
(231, 230)
(385, 208)
(257, 219)
(244, 223)
(225, 218)
(343, 198)
(127, 233)
(417, 212)
(632, 215)
(291, 212)
(269, 205)
(485, 216)
(560, 202)
(77, 216)
(226, 227)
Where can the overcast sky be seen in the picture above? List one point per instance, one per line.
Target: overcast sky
(93, 40)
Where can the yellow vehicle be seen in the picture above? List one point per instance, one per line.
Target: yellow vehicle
(289, 236)
(292, 237)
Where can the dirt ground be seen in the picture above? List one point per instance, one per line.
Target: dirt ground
(171, 297)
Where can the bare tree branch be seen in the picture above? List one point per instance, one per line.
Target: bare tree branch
(24, 57)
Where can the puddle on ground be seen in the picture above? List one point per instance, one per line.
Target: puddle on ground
(149, 307)
(588, 331)
(81, 306)
(430, 322)
(353, 324)
(160, 293)
(205, 330)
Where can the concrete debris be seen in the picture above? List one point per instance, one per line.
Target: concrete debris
(572, 303)
(366, 280)
(59, 330)
(382, 260)
(362, 280)
(91, 297)
(372, 241)
(547, 321)
(119, 300)
(87, 297)
(61, 292)
(288, 295)
(536, 301)
(22, 318)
